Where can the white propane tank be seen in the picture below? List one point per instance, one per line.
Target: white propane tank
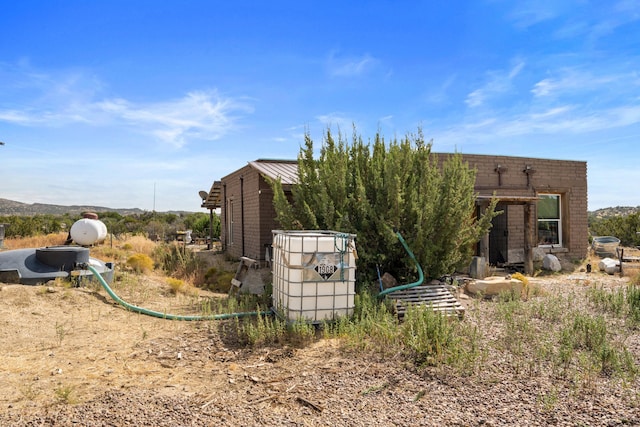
(87, 231)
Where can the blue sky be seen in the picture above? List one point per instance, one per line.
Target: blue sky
(144, 103)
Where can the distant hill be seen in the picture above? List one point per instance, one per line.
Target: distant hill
(11, 207)
(613, 212)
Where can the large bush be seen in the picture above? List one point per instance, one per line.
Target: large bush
(370, 189)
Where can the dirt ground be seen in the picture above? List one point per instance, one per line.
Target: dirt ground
(71, 356)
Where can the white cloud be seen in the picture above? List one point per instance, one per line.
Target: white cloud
(440, 95)
(556, 121)
(475, 98)
(498, 82)
(202, 115)
(350, 66)
(531, 12)
(575, 81)
(16, 117)
(60, 100)
(336, 120)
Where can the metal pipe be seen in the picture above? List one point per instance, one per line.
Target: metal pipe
(242, 213)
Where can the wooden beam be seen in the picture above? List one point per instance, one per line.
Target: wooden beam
(528, 238)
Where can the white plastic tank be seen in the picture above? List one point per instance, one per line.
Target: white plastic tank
(88, 231)
(314, 274)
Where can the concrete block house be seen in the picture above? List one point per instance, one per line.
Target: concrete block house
(245, 200)
(544, 204)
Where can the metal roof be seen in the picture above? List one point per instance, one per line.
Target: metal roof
(285, 170)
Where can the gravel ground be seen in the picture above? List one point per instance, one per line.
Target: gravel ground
(114, 368)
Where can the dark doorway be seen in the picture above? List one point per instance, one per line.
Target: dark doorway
(499, 237)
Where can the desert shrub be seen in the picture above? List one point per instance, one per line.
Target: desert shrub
(428, 335)
(373, 326)
(140, 244)
(108, 253)
(140, 263)
(263, 330)
(606, 300)
(178, 286)
(217, 281)
(589, 335)
(633, 300)
(176, 260)
(620, 301)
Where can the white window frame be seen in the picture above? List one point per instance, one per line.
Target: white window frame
(230, 221)
(558, 221)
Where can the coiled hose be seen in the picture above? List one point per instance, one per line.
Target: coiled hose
(161, 315)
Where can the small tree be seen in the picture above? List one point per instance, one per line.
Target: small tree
(624, 227)
(371, 189)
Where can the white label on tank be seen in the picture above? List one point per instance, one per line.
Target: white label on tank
(321, 266)
(326, 270)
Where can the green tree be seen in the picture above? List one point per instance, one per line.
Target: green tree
(370, 189)
(624, 227)
(199, 224)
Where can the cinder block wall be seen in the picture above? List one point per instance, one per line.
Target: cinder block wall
(240, 189)
(565, 177)
(267, 217)
(247, 187)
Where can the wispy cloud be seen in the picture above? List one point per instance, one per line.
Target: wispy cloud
(337, 121)
(69, 99)
(201, 115)
(350, 66)
(531, 12)
(621, 13)
(440, 94)
(557, 121)
(568, 81)
(574, 20)
(498, 82)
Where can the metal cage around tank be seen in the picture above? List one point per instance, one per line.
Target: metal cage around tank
(314, 274)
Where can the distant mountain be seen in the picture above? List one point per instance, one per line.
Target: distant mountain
(613, 212)
(11, 207)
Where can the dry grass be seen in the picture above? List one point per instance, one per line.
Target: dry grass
(138, 244)
(179, 286)
(35, 241)
(135, 254)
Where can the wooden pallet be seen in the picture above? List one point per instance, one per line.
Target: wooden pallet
(437, 296)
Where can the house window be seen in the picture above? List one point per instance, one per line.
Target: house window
(549, 220)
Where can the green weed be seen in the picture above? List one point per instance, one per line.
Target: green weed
(65, 394)
(61, 332)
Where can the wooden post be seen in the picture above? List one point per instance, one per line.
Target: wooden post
(484, 242)
(528, 238)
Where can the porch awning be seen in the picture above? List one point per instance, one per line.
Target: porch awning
(214, 199)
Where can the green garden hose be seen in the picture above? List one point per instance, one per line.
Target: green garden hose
(408, 285)
(161, 315)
